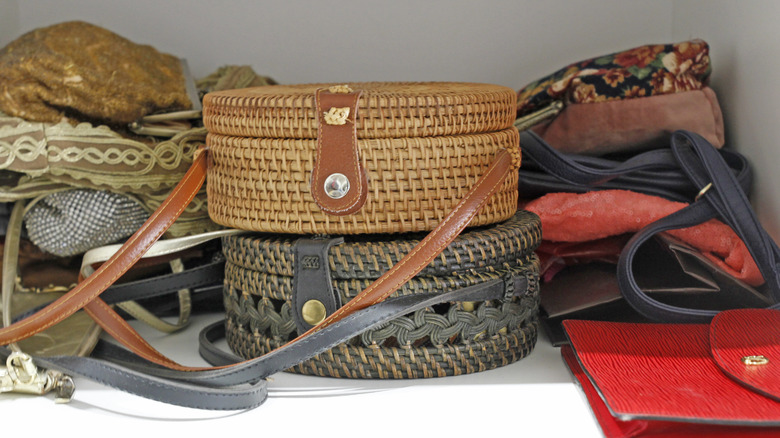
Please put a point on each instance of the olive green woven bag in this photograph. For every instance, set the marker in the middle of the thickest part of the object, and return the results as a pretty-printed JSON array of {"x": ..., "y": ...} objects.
[{"x": 449, "y": 339}]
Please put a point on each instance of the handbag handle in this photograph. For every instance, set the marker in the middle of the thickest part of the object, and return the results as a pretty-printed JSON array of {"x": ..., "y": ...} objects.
[
  {"x": 720, "y": 197},
  {"x": 655, "y": 172},
  {"x": 719, "y": 177},
  {"x": 164, "y": 380}
]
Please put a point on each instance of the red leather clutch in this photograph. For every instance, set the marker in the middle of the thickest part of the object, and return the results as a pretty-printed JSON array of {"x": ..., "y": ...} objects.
[{"x": 686, "y": 380}]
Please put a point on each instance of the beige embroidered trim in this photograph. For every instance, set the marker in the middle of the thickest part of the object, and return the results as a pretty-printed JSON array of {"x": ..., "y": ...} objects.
[{"x": 96, "y": 154}]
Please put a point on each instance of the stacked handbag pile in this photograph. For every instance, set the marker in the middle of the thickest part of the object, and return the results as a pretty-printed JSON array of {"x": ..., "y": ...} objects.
[
  {"x": 342, "y": 210},
  {"x": 83, "y": 170},
  {"x": 664, "y": 300},
  {"x": 389, "y": 170},
  {"x": 388, "y": 230}
]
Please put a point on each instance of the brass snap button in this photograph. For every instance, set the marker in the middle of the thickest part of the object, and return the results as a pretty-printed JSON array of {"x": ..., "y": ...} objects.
[{"x": 313, "y": 312}]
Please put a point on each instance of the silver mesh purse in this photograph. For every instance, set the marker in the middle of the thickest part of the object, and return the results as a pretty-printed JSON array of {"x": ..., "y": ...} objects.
[{"x": 75, "y": 221}]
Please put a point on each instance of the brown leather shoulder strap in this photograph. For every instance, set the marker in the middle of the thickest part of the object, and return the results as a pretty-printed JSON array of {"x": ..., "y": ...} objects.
[
  {"x": 409, "y": 266},
  {"x": 123, "y": 260},
  {"x": 87, "y": 292}
]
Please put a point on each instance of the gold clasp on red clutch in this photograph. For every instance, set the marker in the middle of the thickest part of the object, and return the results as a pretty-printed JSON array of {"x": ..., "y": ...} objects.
[{"x": 755, "y": 360}]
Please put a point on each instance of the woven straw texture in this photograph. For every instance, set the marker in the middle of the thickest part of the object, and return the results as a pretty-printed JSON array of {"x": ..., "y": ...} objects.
[
  {"x": 422, "y": 146},
  {"x": 448, "y": 339},
  {"x": 386, "y": 110}
]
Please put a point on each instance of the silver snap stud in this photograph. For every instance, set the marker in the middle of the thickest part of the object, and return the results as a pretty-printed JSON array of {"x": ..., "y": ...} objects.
[{"x": 336, "y": 186}]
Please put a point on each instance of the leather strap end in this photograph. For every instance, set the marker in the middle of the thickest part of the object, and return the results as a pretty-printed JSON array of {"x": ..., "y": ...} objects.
[{"x": 339, "y": 184}]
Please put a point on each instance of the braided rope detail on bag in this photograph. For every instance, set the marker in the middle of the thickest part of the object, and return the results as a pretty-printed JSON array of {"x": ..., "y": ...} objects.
[
  {"x": 274, "y": 318},
  {"x": 445, "y": 339},
  {"x": 449, "y": 339}
]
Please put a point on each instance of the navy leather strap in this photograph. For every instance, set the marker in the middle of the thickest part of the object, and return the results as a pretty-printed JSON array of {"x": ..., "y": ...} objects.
[
  {"x": 724, "y": 200},
  {"x": 243, "y": 385},
  {"x": 655, "y": 172},
  {"x": 681, "y": 173}
]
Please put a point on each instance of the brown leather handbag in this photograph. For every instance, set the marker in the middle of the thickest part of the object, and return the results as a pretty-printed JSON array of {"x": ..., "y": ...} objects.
[{"x": 314, "y": 159}]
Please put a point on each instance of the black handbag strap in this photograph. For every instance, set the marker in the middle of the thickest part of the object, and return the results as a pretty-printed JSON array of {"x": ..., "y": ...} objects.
[
  {"x": 717, "y": 180},
  {"x": 720, "y": 197},
  {"x": 205, "y": 282},
  {"x": 655, "y": 172}
]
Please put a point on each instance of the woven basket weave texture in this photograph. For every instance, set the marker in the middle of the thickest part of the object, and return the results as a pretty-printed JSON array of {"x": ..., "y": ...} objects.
[
  {"x": 422, "y": 146},
  {"x": 448, "y": 339},
  {"x": 386, "y": 110}
]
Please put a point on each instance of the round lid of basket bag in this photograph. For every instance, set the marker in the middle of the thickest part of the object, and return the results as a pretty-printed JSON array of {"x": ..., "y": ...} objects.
[{"x": 385, "y": 109}]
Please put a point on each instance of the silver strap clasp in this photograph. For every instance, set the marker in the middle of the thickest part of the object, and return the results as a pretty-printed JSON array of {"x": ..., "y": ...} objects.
[{"x": 22, "y": 376}]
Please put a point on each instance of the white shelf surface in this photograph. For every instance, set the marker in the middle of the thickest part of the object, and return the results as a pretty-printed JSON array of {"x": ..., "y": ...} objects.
[{"x": 532, "y": 397}]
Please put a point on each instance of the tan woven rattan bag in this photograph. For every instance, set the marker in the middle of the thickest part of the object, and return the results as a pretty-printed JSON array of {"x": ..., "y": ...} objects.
[{"x": 409, "y": 151}]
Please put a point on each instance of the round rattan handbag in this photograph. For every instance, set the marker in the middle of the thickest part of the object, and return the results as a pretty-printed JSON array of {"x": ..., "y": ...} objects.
[
  {"x": 262, "y": 294},
  {"x": 407, "y": 153}
]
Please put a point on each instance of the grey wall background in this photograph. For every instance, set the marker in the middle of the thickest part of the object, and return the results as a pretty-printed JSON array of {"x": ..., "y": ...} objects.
[
  {"x": 745, "y": 49},
  {"x": 508, "y": 42}
]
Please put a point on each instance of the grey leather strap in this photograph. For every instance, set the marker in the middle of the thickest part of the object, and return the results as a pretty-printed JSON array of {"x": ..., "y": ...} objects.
[
  {"x": 721, "y": 197},
  {"x": 242, "y": 386},
  {"x": 208, "y": 349},
  {"x": 204, "y": 280},
  {"x": 654, "y": 172},
  {"x": 490, "y": 290},
  {"x": 196, "y": 278}
]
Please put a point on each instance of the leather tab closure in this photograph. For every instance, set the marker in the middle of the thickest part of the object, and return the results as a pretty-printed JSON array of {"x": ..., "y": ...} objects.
[
  {"x": 745, "y": 345},
  {"x": 313, "y": 296},
  {"x": 338, "y": 182}
]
